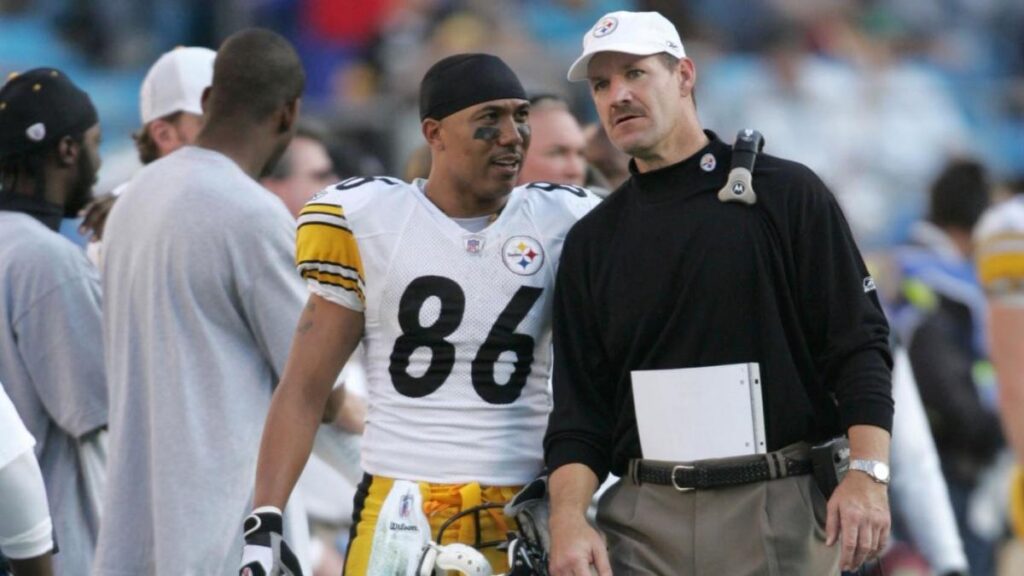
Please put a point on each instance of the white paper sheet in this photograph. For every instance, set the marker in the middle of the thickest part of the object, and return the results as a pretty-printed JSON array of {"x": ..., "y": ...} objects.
[{"x": 690, "y": 414}]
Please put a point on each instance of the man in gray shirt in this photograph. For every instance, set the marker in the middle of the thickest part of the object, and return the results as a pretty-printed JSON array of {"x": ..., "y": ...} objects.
[
  {"x": 201, "y": 304},
  {"x": 51, "y": 356}
]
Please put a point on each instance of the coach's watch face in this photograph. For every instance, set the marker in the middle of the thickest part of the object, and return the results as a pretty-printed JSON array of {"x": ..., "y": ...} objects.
[{"x": 879, "y": 471}]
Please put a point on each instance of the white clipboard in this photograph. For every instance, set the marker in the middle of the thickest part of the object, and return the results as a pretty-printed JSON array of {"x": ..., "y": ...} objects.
[{"x": 688, "y": 414}]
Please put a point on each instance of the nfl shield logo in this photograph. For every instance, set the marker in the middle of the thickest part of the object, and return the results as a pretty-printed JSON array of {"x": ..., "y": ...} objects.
[
  {"x": 405, "y": 505},
  {"x": 474, "y": 244}
]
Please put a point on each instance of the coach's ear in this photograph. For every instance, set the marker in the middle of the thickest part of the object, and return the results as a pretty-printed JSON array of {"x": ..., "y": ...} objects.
[
  {"x": 289, "y": 115},
  {"x": 204, "y": 101},
  {"x": 687, "y": 77}
]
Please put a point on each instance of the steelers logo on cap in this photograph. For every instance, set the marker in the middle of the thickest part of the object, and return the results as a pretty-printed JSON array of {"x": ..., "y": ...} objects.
[
  {"x": 522, "y": 255},
  {"x": 606, "y": 26}
]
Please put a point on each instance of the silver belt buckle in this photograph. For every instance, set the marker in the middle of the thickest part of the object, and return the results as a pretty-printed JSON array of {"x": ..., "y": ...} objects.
[{"x": 675, "y": 485}]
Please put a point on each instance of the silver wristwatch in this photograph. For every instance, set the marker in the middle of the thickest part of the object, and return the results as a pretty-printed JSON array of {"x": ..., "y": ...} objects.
[{"x": 878, "y": 471}]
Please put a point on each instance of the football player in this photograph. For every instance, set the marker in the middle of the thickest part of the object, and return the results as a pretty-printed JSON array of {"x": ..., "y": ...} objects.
[
  {"x": 1000, "y": 255},
  {"x": 447, "y": 281}
]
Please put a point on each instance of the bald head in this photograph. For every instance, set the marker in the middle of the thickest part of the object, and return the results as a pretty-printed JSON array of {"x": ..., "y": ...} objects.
[{"x": 256, "y": 72}]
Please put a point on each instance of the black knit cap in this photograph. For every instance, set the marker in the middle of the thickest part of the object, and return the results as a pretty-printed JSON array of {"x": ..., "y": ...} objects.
[
  {"x": 460, "y": 81},
  {"x": 40, "y": 106}
]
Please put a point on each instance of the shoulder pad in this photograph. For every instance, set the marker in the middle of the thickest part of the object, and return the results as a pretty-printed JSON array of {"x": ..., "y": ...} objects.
[
  {"x": 575, "y": 199},
  {"x": 354, "y": 193},
  {"x": 1004, "y": 218},
  {"x": 999, "y": 250}
]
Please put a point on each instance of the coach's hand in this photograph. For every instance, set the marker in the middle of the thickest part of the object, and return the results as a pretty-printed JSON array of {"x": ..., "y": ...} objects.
[
  {"x": 575, "y": 547},
  {"x": 858, "y": 517},
  {"x": 265, "y": 552}
]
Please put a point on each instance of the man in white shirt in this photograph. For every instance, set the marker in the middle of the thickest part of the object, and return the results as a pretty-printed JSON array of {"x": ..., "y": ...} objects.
[{"x": 201, "y": 300}]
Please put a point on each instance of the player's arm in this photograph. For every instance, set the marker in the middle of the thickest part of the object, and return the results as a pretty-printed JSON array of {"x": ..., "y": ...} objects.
[
  {"x": 1006, "y": 329},
  {"x": 325, "y": 338},
  {"x": 329, "y": 328},
  {"x": 1006, "y": 336},
  {"x": 999, "y": 253}
]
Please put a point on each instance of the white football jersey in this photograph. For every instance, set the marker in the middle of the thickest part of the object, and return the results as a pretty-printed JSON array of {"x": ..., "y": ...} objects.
[
  {"x": 458, "y": 324},
  {"x": 999, "y": 240}
]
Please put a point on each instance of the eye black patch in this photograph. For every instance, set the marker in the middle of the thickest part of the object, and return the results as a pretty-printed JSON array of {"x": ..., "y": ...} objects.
[{"x": 487, "y": 133}]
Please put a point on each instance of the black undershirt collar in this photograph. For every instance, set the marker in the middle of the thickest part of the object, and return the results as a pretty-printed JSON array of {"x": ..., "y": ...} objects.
[
  {"x": 685, "y": 178},
  {"x": 47, "y": 213}
]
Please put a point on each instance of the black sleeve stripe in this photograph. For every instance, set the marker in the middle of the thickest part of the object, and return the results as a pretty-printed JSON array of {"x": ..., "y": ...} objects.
[
  {"x": 312, "y": 275},
  {"x": 324, "y": 224},
  {"x": 328, "y": 262},
  {"x": 311, "y": 212},
  {"x": 338, "y": 277}
]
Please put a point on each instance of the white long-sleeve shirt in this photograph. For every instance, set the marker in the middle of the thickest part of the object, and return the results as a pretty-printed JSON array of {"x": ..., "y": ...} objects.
[{"x": 919, "y": 493}]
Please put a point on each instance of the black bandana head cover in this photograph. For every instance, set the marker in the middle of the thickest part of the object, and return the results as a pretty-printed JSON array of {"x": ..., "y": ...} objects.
[
  {"x": 463, "y": 80},
  {"x": 40, "y": 106}
]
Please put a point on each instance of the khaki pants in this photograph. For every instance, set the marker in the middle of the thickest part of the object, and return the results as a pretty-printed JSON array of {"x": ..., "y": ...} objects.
[{"x": 773, "y": 528}]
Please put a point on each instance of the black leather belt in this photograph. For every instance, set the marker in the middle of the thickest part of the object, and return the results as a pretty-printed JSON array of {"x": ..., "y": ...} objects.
[{"x": 708, "y": 474}]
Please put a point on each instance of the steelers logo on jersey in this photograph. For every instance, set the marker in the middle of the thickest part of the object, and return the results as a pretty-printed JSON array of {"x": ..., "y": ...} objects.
[{"x": 523, "y": 255}]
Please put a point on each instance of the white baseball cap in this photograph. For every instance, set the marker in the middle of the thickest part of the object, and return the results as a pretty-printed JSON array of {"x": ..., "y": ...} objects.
[
  {"x": 175, "y": 83},
  {"x": 639, "y": 33}
]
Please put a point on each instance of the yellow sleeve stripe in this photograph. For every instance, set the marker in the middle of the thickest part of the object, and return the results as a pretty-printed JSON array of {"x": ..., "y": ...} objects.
[
  {"x": 318, "y": 242},
  {"x": 321, "y": 208},
  {"x": 1001, "y": 266}
]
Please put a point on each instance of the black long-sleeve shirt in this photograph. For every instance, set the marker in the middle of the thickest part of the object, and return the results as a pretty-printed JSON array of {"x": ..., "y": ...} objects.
[{"x": 664, "y": 275}]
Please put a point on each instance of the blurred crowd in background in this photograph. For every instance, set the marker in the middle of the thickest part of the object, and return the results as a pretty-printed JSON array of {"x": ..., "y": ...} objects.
[
  {"x": 875, "y": 96},
  {"x": 911, "y": 111}
]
